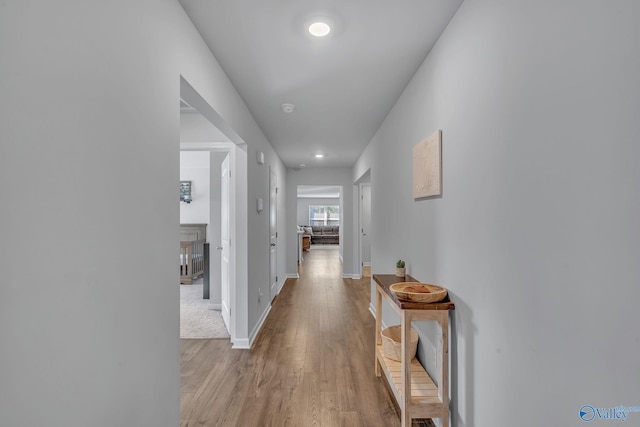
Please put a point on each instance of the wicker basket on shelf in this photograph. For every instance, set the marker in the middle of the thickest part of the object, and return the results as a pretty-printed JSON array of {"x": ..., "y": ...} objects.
[{"x": 392, "y": 343}]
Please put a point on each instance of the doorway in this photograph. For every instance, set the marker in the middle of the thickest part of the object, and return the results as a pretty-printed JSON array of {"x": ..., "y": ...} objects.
[
  {"x": 365, "y": 230},
  {"x": 319, "y": 218},
  {"x": 364, "y": 224},
  {"x": 224, "y": 140}
]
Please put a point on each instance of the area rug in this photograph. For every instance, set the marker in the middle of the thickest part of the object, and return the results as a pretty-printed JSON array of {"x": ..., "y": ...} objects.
[{"x": 196, "y": 320}]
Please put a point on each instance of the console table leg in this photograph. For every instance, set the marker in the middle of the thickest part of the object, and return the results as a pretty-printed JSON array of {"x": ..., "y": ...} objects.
[
  {"x": 378, "y": 327},
  {"x": 406, "y": 369},
  {"x": 443, "y": 387}
]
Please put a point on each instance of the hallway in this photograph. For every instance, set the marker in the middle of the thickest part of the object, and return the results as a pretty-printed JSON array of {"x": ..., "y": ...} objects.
[{"x": 312, "y": 363}]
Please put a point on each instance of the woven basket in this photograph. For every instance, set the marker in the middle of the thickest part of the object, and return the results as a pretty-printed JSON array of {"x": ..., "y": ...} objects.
[
  {"x": 418, "y": 292},
  {"x": 392, "y": 343}
]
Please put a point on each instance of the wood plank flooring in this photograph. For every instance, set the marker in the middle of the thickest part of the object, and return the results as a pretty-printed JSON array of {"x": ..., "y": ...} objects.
[
  {"x": 366, "y": 271},
  {"x": 311, "y": 365}
]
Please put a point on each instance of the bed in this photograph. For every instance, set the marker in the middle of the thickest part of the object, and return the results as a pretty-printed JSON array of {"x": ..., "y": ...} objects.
[{"x": 192, "y": 239}]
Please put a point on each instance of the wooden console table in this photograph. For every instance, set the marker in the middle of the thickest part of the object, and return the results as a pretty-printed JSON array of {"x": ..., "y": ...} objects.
[{"x": 413, "y": 388}]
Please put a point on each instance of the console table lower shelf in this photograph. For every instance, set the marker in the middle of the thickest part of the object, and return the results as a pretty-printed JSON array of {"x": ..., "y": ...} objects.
[{"x": 425, "y": 402}]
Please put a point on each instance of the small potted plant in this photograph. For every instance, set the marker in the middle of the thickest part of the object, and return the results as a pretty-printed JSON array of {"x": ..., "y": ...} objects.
[{"x": 400, "y": 270}]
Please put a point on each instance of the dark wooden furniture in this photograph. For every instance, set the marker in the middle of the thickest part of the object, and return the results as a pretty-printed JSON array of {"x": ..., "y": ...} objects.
[
  {"x": 325, "y": 234},
  {"x": 206, "y": 275},
  {"x": 414, "y": 390},
  {"x": 192, "y": 239}
]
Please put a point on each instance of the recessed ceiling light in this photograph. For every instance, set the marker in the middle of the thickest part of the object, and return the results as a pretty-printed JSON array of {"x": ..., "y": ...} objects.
[
  {"x": 319, "y": 29},
  {"x": 288, "y": 108},
  {"x": 319, "y": 156}
]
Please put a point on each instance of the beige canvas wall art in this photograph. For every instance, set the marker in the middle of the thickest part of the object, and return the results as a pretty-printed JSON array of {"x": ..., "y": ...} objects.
[{"x": 427, "y": 167}]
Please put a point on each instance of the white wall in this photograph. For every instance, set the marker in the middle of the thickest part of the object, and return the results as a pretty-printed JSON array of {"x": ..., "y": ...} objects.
[
  {"x": 194, "y": 127},
  {"x": 536, "y": 233},
  {"x": 322, "y": 176},
  {"x": 259, "y": 239},
  {"x": 195, "y": 167},
  {"x": 305, "y": 202},
  {"x": 89, "y": 106}
]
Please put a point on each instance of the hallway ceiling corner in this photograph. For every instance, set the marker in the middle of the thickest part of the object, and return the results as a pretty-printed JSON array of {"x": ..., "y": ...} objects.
[{"x": 342, "y": 85}]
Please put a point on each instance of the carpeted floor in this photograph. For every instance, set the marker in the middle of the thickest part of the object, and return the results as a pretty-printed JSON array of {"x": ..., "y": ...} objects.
[{"x": 196, "y": 320}]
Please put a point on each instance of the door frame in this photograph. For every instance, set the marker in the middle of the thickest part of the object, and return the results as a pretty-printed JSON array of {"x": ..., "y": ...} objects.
[
  {"x": 239, "y": 210},
  {"x": 362, "y": 263},
  {"x": 225, "y": 245}
]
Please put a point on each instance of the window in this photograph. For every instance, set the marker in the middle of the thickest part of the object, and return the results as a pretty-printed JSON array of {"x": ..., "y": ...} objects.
[{"x": 324, "y": 215}]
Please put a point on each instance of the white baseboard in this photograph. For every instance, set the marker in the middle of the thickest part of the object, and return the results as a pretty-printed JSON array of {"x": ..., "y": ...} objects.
[
  {"x": 241, "y": 344},
  {"x": 246, "y": 343},
  {"x": 350, "y": 276},
  {"x": 214, "y": 307},
  {"x": 366, "y": 264},
  {"x": 256, "y": 330},
  {"x": 281, "y": 284}
]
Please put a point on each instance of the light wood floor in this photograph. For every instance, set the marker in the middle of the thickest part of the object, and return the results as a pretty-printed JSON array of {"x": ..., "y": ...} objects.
[
  {"x": 311, "y": 365},
  {"x": 366, "y": 271}
]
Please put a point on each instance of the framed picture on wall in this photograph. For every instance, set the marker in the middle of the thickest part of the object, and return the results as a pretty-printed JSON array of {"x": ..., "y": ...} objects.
[
  {"x": 185, "y": 191},
  {"x": 427, "y": 167}
]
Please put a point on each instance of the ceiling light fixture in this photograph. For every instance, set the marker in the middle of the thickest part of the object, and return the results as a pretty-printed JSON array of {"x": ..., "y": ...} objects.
[
  {"x": 319, "y": 156},
  {"x": 288, "y": 108},
  {"x": 319, "y": 29}
]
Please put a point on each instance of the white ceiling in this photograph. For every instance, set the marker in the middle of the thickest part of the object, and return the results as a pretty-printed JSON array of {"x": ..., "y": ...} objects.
[{"x": 343, "y": 85}]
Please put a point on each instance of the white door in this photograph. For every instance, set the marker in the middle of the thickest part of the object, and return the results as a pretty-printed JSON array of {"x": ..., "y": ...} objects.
[
  {"x": 365, "y": 237},
  {"x": 225, "y": 244},
  {"x": 273, "y": 233}
]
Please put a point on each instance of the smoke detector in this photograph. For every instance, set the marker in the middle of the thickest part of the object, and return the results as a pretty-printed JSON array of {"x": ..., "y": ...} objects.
[{"x": 288, "y": 108}]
